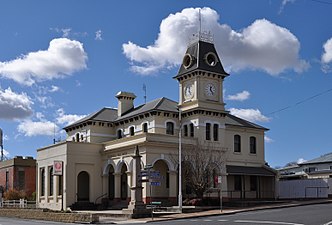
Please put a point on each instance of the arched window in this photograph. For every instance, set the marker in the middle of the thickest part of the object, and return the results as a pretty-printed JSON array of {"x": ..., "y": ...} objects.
[
  {"x": 253, "y": 145},
  {"x": 191, "y": 129},
  {"x": 77, "y": 137},
  {"x": 170, "y": 128},
  {"x": 42, "y": 182},
  {"x": 215, "y": 132},
  {"x": 237, "y": 143},
  {"x": 185, "y": 130},
  {"x": 51, "y": 178},
  {"x": 119, "y": 134},
  {"x": 132, "y": 131},
  {"x": 208, "y": 131},
  {"x": 145, "y": 127}
]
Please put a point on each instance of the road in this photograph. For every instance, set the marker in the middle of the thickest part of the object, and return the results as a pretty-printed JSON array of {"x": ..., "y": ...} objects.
[{"x": 320, "y": 214}]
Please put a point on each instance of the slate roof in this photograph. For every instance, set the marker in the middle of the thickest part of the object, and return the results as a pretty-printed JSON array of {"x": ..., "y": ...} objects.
[
  {"x": 198, "y": 51},
  {"x": 160, "y": 104},
  {"x": 322, "y": 159}
]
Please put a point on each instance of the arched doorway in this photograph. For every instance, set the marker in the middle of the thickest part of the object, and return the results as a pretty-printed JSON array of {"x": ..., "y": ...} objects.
[
  {"x": 161, "y": 187},
  {"x": 83, "y": 186},
  {"x": 124, "y": 182},
  {"x": 111, "y": 189}
]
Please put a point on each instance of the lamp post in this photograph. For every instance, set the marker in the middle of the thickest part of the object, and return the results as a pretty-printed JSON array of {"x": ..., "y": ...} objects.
[{"x": 180, "y": 166}]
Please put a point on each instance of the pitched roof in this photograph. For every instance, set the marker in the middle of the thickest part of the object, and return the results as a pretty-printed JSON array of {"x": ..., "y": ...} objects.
[
  {"x": 237, "y": 121},
  {"x": 162, "y": 104},
  {"x": 104, "y": 114},
  {"x": 322, "y": 159}
]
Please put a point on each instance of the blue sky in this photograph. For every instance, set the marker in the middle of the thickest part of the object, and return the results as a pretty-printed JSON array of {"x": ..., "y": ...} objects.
[{"x": 61, "y": 60}]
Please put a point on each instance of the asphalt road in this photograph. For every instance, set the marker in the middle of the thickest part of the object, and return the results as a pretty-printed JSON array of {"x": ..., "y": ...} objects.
[{"x": 320, "y": 214}]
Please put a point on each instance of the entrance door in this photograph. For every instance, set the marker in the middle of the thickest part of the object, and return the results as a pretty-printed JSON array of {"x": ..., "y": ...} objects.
[{"x": 83, "y": 186}]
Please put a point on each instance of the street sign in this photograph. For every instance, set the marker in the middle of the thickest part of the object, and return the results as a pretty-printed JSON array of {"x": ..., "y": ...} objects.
[
  {"x": 155, "y": 183},
  {"x": 219, "y": 180}
]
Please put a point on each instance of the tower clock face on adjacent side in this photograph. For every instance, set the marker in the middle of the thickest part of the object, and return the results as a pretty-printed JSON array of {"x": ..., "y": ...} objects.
[
  {"x": 210, "y": 89},
  {"x": 188, "y": 91}
]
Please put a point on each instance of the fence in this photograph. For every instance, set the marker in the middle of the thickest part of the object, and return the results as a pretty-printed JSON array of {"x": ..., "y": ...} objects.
[{"x": 21, "y": 203}]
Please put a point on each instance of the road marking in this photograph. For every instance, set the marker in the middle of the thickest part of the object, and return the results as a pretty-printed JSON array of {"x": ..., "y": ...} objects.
[
  {"x": 329, "y": 223},
  {"x": 207, "y": 220},
  {"x": 193, "y": 220},
  {"x": 222, "y": 220},
  {"x": 266, "y": 222}
]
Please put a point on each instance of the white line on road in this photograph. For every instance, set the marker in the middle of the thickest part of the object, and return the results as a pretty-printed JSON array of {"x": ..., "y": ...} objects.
[
  {"x": 222, "y": 220},
  {"x": 328, "y": 223},
  {"x": 266, "y": 222}
]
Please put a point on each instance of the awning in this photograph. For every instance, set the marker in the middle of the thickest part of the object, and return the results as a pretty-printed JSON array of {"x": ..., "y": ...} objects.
[{"x": 250, "y": 171}]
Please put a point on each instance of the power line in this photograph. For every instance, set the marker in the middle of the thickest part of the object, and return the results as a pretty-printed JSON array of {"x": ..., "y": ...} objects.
[
  {"x": 301, "y": 102},
  {"x": 322, "y": 2}
]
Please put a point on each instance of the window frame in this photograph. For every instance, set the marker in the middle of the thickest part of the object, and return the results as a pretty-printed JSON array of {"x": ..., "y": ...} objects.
[
  {"x": 215, "y": 132},
  {"x": 253, "y": 145},
  {"x": 237, "y": 143},
  {"x": 208, "y": 131},
  {"x": 170, "y": 128}
]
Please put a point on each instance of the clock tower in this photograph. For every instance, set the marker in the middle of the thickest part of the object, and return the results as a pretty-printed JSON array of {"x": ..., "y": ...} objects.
[{"x": 201, "y": 76}]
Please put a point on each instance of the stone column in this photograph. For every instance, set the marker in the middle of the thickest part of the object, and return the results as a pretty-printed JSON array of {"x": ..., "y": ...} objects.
[
  {"x": 129, "y": 178},
  {"x": 136, "y": 207}
]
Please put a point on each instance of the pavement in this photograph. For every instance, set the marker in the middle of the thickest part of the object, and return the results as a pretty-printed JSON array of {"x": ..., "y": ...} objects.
[{"x": 112, "y": 216}]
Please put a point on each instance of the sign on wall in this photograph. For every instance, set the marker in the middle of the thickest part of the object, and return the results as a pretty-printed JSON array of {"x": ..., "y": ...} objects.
[{"x": 57, "y": 168}]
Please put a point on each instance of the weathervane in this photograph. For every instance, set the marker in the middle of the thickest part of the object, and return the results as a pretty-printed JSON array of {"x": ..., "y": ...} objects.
[{"x": 205, "y": 36}]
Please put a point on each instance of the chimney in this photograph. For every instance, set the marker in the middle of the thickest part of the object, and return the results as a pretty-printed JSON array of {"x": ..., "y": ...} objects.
[{"x": 125, "y": 102}]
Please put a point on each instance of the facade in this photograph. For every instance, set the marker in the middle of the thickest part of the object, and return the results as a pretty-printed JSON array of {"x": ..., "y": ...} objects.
[
  {"x": 18, "y": 173},
  {"x": 97, "y": 154}
]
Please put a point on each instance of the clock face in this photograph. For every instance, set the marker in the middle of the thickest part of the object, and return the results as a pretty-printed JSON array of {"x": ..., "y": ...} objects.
[
  {"x": 188, "y": 91},
  {"x": 210, "y": 89}
]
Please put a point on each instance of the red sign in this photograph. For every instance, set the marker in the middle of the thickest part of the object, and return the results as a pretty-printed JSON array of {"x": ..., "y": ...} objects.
[{"x": 57, "y": 168}]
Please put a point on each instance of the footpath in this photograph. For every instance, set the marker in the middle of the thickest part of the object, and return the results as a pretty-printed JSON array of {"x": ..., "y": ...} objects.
[{"x": 105, "y": 217}]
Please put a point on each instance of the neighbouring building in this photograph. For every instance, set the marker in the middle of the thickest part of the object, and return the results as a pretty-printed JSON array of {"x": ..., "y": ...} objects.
[
  {"x": 18, "y": 173},
  {"x": 97, "y": 153},
  {"x": 320, "y": 167}
]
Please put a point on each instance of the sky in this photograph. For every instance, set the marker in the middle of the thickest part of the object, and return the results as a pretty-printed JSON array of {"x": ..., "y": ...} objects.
[{"x": 62, "y": 60}]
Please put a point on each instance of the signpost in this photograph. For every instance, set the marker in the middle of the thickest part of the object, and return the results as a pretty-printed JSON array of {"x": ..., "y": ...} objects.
[{"x": 58, "y": 171}]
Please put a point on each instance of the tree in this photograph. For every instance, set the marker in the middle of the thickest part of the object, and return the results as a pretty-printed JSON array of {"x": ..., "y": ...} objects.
[{"x": 200, "y": 167}]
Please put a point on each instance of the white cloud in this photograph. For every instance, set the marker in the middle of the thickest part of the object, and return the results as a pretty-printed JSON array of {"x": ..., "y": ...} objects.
[
  {"x": 244, "y": 95},
  {"x": 61, "y": 59},
  {"x": 14, "y": 105},
  {"x": 301, "y": 160},
  {"x": 54, "y": 89},
  {"x": 284, "y": 3},
  {"x": 252, "y": 115},
  {"x": 98, "y": 36},
  {"x": 35, "y": 128},
  {"x": 261, "y": 46},
  {"x": 5, "y": 153},
  {"x": 327, "y": 55},
  {"x": 268, "y": 139},
  {"x": 67, "y": 119}
]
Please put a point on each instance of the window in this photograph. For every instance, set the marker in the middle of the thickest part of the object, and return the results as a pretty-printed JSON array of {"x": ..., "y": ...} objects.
[
  {"x": 252, "y": 145},
  {"x": 78, "y": 137},
  {"x": 237, "y": 183},
  {"x": 185, "y": 130},
  {"x": 215, "y": 132},
  {"x": 145, "y": 127},
  {"x": 237, "y": 143},
  {"x": 170, "y": 128},
  {"x": 253, "y": 183},
  {"x": 167, "y": 180},
  {"x": 50, "y": 190},
  {"x": 42, "y": 182},
  {"x": 132, "y": 131},
  {"x": 191, "y": 128},
  {"x": 208, "y": 131},
  {"x": 119, "y": 134},
  {"x": 7, "y": 180},
  {"x": 21, "y": 180}
]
